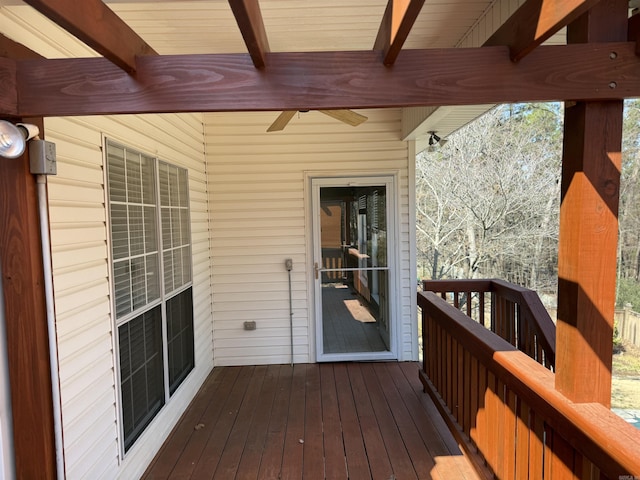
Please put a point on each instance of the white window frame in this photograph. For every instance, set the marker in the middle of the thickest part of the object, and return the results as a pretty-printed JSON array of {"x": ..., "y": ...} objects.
[{"x": 164, "y": 295}]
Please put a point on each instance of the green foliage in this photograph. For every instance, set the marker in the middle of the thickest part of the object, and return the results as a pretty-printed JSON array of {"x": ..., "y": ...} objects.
[
  {"x": 617, "y": 339},
  {"x": 628, "y": 292}
]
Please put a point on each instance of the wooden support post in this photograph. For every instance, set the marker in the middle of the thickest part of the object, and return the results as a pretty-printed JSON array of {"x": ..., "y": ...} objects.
[
  {"x": 28, "y": 351},
  {"x": 589, "y": 226}
]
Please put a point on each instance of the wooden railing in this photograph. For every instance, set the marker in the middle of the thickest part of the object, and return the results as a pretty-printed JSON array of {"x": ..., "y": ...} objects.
[
  {"x": 503, "y": 407},
  {"x": 515, "y": 313}
]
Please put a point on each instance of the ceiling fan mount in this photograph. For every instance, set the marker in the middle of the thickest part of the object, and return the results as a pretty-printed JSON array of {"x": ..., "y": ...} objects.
[{"x": 347, "y": 116}]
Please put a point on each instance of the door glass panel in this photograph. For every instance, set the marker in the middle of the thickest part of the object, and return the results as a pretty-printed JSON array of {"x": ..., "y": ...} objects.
[{"x": 354, "y": 270}]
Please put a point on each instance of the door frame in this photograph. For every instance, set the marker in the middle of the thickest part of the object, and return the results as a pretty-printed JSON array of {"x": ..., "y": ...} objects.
[{"x": 390, "y": 181}]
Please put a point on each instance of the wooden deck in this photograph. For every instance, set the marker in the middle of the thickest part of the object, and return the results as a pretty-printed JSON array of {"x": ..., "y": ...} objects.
[{"x": 312, "y": 421}]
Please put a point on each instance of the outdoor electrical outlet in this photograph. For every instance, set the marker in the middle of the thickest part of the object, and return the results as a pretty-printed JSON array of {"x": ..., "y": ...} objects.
[
  {"x": 249, "y": 325},
  {"x": 288, "y": 264},
  {"x": 42, "y": 157}
]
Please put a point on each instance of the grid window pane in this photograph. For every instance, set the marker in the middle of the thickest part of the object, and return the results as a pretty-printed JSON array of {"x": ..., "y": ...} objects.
[
  {"x": 184, "y": 225},
  {"x": 133, "y": 227},
  {"x": 134, "y": 177},
  {"x": 175, "y": 226},
  {"x": 184, "y": 193},
  {"x": 141, "y": 372},
  {"x": 166, "y": 228},
  {"x": 180, "y": 337},
  {"x": 153, "y": 277},
  {"x": 163, "y": 174},
  {"x": 148, "y": 180},
  {"x": 177, "y": 267},
  {"x": 176, "y": 234},
  {"x": 138, "y": 283},
  {"x": 119, "y": 231},
  {"x": 117, "y": 175},
  {"x": 150, "y": 222},
  {"x": 168, "y": 270},
  {"x": 136, "y": 230},
  {"x": 122, "y": 287}
]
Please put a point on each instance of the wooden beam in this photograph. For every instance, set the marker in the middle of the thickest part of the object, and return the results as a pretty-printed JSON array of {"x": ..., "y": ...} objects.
[
  {"x": 398, "y": 19},
  {"x": 12, "y": 49},
  {"x": 99, "y": 27},
  {"x": 587, "y": 250},
  {"x": 633, "y": 31},
  {"x": 534, "y": 22},
  {"x": 249, "y": 19},
  {"x": 326, "y": 80},
  {"x": 26, "y": 324},
  {"x": 9, "y": 90}
]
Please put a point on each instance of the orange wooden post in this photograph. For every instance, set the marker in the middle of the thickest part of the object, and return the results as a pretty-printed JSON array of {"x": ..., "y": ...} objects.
[{"x": 589, "y": 225}]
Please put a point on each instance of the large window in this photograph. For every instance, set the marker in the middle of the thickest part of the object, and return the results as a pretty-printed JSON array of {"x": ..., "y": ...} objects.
[{"x": 152, "y": 288}]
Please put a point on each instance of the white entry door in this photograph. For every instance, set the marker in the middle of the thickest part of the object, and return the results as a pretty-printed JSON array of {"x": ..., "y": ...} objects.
[{"x": 354, "y": 277}]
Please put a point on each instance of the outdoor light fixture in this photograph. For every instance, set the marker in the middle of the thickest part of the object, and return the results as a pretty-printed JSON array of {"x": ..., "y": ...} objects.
[
  {"x": 434, "y": 141},
  {"x": 14, "y": 138}
]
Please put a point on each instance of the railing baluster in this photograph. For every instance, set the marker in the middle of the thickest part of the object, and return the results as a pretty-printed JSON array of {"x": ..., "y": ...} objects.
[
  {"x": 482, "y": 425},
  {"x": 536, "y": 446},
  {"x": 459, "y": 396},
  {"x": 448, "y": 373},
  {"x": 467, "y": 388},
  {"x": 509, "y": 446},
  {"x": 494, "y": 308},
  {"x": 522, "y": 440},
  {"x": 492, "y": 418}
]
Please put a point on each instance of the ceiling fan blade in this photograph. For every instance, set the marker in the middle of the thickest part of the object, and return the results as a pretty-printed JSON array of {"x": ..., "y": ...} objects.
[
  {"x": 282, "y": 120},
  {"x": 347, "y": 116}
]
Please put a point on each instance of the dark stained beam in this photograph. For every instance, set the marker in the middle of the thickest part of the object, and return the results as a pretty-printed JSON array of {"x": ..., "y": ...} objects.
[
  {"x": 633, "y": 31},
  {"x": 99, "y": 27},
  {"x": 9, "y": 90},
  {"x": 398, "y": 19},
  {"x": 536, "y": 21},
  {"x": 11, "y": 50},
  {"x": 327, "y": 80},
  {"x": 249, "y": 20}
]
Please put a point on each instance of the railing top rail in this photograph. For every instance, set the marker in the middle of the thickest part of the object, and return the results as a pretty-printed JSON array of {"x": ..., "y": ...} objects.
[
  {"x": 459, "y": 285},
  {"x": 531, "y": 305},
  {"x": 528, "y": 300},
  {"x": 592, "y": 429}
]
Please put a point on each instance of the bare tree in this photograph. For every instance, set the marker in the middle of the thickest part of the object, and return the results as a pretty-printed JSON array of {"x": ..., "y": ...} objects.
[{"x": 488, "y": 200}]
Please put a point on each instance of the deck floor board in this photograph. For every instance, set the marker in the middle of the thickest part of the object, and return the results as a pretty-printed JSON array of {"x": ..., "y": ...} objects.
[{"x": 312, "y": 421}]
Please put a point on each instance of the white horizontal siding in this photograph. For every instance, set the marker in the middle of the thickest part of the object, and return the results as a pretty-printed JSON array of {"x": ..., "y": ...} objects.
[
  {"x": 258, "y": 209},
  {"x": 82, "y": 289}
]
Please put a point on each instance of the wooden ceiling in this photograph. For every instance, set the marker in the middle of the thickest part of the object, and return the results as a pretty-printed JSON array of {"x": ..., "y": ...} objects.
[{"x": 283, "y": 54}]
